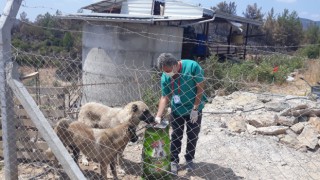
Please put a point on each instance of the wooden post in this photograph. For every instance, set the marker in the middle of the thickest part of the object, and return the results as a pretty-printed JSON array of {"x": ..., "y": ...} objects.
[
  {"x": 8, "y": 126},
  {"x": 246, "y": 43},
  {"x": 229, "y": 40}
]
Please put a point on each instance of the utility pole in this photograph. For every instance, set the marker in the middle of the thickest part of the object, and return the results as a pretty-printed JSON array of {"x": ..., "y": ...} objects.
[{"x": 6, "y": 96}]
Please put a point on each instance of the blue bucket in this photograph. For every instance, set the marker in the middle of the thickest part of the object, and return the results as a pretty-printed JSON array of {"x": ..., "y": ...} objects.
[{"x": 316, "y": 90}]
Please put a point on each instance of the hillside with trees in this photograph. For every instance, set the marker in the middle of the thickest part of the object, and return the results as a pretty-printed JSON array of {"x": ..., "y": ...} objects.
[
  {"x": 52, "y": 36},
  {"x": 48, "y": 35},
  {"x": 284, "y": 32}
]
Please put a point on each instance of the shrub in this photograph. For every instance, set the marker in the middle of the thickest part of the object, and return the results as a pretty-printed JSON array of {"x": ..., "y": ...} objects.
[
  {"x": 234, "y": 76},
  {"x": 152, "y": 94},
  {"x": 312, "y": 51}
]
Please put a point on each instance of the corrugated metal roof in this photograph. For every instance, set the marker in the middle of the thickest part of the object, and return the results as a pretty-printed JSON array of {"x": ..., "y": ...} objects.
[
  {"x": 140, "y": 10},
  {"x": 104, "y": 6},
  {"x": 124, "y": 17},
  {"x": 109, "y": 19},
  {"x": 137, "y": 7},
  {"x": 145, "y": 7},
  {"x": 225, "y": 16},
  {"x": 180, "y": 8}
]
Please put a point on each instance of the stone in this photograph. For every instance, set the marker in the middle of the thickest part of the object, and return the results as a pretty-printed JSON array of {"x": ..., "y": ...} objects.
[
  {"x": 264, "y": 99},
  {"x": 297, "y": 128},
  {"x": 261, "y": 120},
  {"x": 237, "y": 124},
  {"x": 289, "y": 140},
  {"x": 308, "y": 137},
  {"x": 285, "y": 121},
  {"x": 272, "y": 130},
  {"x": 251, "y": 129},
  {"x": 276, "y": 106},
  {"x": 315, "y": 121}
]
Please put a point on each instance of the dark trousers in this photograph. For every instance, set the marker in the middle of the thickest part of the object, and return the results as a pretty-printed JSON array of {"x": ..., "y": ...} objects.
[{"x": 193, "y": 129}]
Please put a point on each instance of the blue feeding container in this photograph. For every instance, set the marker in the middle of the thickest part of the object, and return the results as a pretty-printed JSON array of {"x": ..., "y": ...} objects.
[
  {"x": 316, "y": 90},
  {"x": 201, "y": 48}
]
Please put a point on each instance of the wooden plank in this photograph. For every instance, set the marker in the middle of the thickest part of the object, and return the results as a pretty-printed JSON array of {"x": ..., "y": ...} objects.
[
  {"x": 33, "y": 156},
  {"x": 39, "y": 145},
  {"x": 42, "y": 145},
  {"x": 27, "y": 122},
  {"x": 27, "y": 134},
  {"x": 48, "y": 91},
  {"x": 54, "y": 113},
  {"x": 46, "y": 101},
  {"x": 52, "y": 102},
  {"x": 61, "y": 153},
  {"x": 222, "y": 49},
  {"x": 46, "y": 113}
]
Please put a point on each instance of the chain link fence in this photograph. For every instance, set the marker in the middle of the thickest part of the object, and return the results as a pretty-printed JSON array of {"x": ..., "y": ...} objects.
[{"x": 247, "y": 130}]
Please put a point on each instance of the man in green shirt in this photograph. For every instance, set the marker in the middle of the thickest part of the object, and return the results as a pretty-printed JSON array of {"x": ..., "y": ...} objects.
[{"x": 182, "y": 84}]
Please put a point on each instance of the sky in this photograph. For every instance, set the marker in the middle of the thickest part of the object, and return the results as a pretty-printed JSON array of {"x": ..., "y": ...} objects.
[{"x": 305, "y": 8}]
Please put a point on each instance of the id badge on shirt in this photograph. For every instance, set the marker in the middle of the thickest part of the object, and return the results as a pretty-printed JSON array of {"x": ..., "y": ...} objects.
[{"x": 176, "y": 99}]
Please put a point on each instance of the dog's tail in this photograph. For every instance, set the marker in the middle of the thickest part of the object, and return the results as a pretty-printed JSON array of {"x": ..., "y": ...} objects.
[{"x": 62, "y": 125}]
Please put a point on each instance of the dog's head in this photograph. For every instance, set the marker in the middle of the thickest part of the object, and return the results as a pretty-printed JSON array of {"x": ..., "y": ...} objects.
[
  {"x": 133, "y": 134},
  {"x": 140, "y": 112}
]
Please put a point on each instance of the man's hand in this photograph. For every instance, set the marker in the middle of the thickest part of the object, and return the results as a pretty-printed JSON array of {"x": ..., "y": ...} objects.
[
  {"x": 194, "y": 116},
  {"x": 158, "y": 120}
]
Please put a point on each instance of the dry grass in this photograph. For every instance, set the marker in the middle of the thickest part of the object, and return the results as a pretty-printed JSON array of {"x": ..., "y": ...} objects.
[
  {"x": 299, "y": 87},
  {"x": 47, "y": 77},
  {"x": 312, "y": 74}
]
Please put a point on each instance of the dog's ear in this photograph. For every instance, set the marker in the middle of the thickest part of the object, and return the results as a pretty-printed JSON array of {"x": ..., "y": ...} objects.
[{"x": 134, "y": 108}]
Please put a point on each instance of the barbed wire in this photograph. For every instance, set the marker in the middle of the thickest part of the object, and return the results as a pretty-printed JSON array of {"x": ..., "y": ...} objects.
[{"x": 168, "y": 36}]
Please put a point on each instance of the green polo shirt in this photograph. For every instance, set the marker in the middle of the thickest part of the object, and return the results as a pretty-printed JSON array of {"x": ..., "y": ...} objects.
[{"x": 190, "y": 74}]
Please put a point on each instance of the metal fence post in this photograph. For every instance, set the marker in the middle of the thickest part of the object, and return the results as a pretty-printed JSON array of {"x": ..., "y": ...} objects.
[{"x": 8, "y": 126}]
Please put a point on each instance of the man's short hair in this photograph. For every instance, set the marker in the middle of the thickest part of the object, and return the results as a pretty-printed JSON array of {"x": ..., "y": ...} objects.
[{"x": 166, "y": 59}]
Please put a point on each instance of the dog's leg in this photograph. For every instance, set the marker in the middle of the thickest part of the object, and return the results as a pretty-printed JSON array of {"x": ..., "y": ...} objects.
[
  {"x": 114, "y": 169},
  {"x": 104, "y": 170},
  {"x": 120, "y": 161},
  {"x": 75, "y": 152}
]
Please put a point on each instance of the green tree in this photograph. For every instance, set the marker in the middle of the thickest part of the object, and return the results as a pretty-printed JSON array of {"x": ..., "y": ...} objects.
[
  {"x": 67, "y": 41},
  {"x": 288, "y": 30},
  {"x": 45, "y": 20},
  {"x": 312, "y": 34},
  {"x": 229, "y": 8},
  {"x": 23, "y": 17},
  {"x": 268, "y": 27},
  {"x": 253, "y": 12}
]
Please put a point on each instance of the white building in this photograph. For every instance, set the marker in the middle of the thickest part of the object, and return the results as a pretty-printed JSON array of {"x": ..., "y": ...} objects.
[{"x": 121, "y": 35}]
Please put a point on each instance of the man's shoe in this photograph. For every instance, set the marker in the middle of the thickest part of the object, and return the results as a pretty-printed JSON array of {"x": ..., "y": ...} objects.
[
  {"x": 190, "y": 166},
  {"x": 174, "y": 168}
]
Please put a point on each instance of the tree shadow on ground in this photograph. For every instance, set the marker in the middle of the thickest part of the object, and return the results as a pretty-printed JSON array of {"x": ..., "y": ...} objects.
[
  {"x": 210, "y": 171},
  {"x": 203, "y": 170},
  {"x": 92, "y": 175},
  {"x": 131, "y": 168}
]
